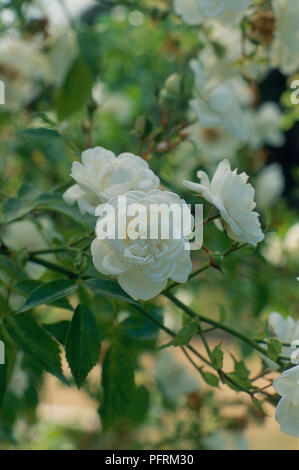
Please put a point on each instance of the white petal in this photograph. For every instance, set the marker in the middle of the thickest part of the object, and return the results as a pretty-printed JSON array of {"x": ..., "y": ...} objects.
[
  {"x": 72, "y": 194},
  {"x": 138, "y": 286}
]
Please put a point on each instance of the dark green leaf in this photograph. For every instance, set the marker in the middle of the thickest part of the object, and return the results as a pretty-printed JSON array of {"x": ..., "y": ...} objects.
[
  {"x": 48, "y": 293},
  {"x": 75, "y": 91},
  {"x": 7, "y": 360},
  {"x": 14, "y": 208},
  {"x": 58, "y": 330},
  {"x": 35, "y": 342},
  {"x": 185, "y": 335},
  {"x": 83, "y": 344},
  {"x": 139, "y": 405},
  {"x": 28, "y": 285},
  {"x": 118, "y": 384},
  {"x": 108, "y": 289}
]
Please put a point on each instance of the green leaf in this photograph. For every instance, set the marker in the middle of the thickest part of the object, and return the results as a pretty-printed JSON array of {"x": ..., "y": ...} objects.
[
  {"x": 118, "y": 384},
  {"x": 35, "y": 342},
  {"x": 273, "y": 348},
  {"x": 240, "y": 382},
  {"x": 7, "y": 353},
  {"x": 48, "y": 293},
  {"x": 56, "y": 204},
  {"x": 139, "y": 405},
  {"x": 210, "y": 379},
  {"x": 108, "y": 289},
  {"x": 28, "y": 285},
  {"x": 14, "y": 208},
  {"x": 40, "y": 133},
  {"x": 83, "y": 344},
  {"x": 185, "y": 335},
  {"x": 222, "y": 313},
  {"x": 58, "y": 330},
  {"x": 142, "y": 329},
  {"x": 75, "y": 91},
  {"x": 259, "y": 406},
  {"x": 217, "y": 357}
]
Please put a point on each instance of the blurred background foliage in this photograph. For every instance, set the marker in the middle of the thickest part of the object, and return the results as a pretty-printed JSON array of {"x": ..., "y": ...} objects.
[{"x": 92, "y": 73}]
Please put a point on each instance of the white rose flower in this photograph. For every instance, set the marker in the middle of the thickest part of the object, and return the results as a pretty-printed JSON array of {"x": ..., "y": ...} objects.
[
  {"x": 291, "y": 242},
  {"x": 197, "y": 11},
  {"x": 101, "y": 176},
  {"x": 286, "y": 330},
  {"x": 285, "y": 52},
  {"x": 22, "y": 64},
  {"x": 287, "y": 412},
  {"x": 269, "y": 185},
  {"x": 143, "y": 266},
  {"x": 217, "y": 104},
  {"x": 234, "y": 198}
]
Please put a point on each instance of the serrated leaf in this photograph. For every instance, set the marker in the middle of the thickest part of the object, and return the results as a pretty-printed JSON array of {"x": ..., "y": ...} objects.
[
  {"x": 51, "y": 202},
  {"x": 118, "y": 384},
  {"x": 108, "y": 289},
  {"x": 35, "y": 342},
  {"x": 83, "y": 344},
  {"x": 217, "y": 357},
  {"x": 49, "y": 292}
]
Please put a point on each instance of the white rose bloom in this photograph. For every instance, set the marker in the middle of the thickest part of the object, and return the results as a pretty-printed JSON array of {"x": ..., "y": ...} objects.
[
  {"x": 234, "y": 198},
  {"x": 22, "y": 64},
  {"x": 269, "y": 185},
  {"x": 217, "y": 104},
  {"x": 287, "y": 412},
  {"x": 197, "y": 11},
  {"x": 265, "y": 126},
  {"x": 143, "y": 266},
  {"x": 285, "y": 52},
  {"x": 286, "y": 331},
  {"x": 272, "y": 249},
  {"x": 212, "y": 143},
  {"x": 101, "y": 176}
]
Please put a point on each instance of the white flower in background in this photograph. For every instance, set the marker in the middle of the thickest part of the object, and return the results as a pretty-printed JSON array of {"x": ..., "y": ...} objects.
[
  {"x": 22, "y": 64},
  {"x": 197, "y": 11},
  {"x": 285, "y": 51},
  {"x": 117, "y": 104},
  {"x": 213, "y": 143},
  {"x": 234, "y": 198},
  {"x": 217, "y": 105},
  {"x": 291, "y": 242},
  {"x": 102, "y": 176},
  {"x": 143, "y": 266},
  {"x": 272, "y": 249},
  {"x": 63, "y": 49},
  {"x": 295, "y": 351},
  {"x": 223, "y": 55},
  {"x": 173, "y": 380},
  {"x": 265, "y": 126},
  {"x": 269, "y": 185},
  {"x": 55, "y": 12},
  {"x": 287, "y": 412},
  {"x": 286, "y": 330}
]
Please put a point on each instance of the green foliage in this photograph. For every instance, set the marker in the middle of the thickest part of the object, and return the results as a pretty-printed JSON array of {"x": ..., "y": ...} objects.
[
  {"x": 83, "y": 344},
  {"x": 109, "y": 289},
  {"x": 35, "y": 342},
  {"x": 118, "y": 384},
  {"x": 48, "y": 293}
]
